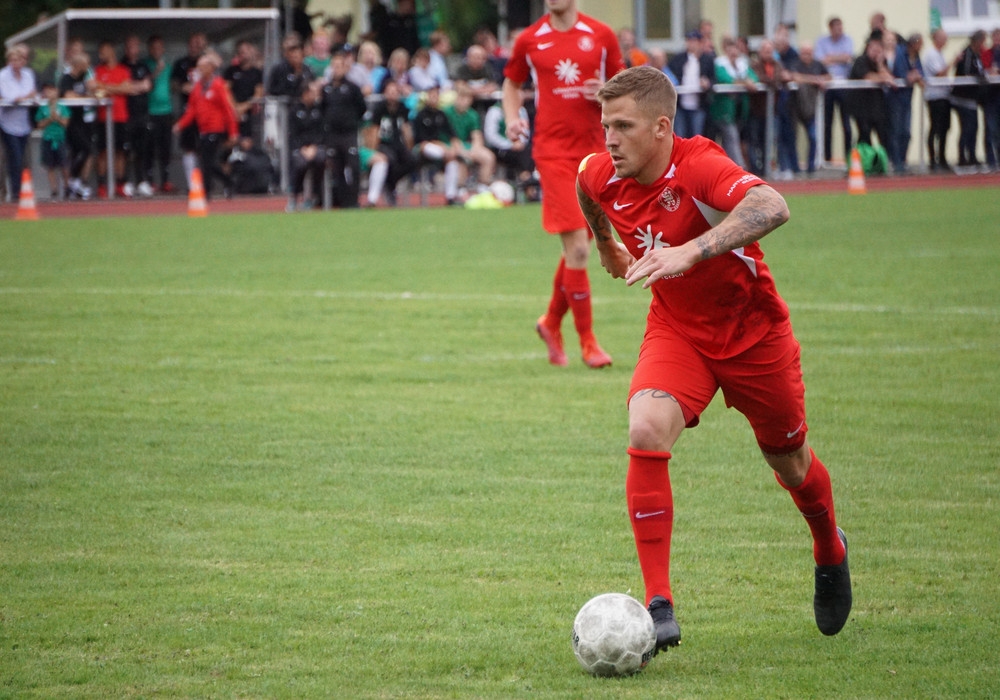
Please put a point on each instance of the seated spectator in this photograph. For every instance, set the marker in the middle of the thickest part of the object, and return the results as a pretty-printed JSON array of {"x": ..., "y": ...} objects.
[
  {"x": 398, "y": 72},
  {"x": 318, "y": 56},
  {"x": 514, "y": 155},
  {"x": 440, "y": 54},
  {"x": 436, "y": 142},
  {"x": 418, "y": 75},
  {"x": 250, "y": 168},
  {"x": 343, "y": 109},
  {"x": 368, "y": 72},
  {"x": 472, "y": 149},
  {"x": 388, "y": 130},
  {"x": 496, "y": 56},
  {"x": 477, "y": 73},
  {"x": 307, "y": 143}
]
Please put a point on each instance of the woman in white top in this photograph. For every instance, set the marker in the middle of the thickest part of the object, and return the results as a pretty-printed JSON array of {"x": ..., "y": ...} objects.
[{"x": 17, "y": 84}]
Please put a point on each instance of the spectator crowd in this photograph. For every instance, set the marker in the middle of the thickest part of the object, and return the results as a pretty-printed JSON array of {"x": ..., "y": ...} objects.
[{"x": 389, "y": 108}]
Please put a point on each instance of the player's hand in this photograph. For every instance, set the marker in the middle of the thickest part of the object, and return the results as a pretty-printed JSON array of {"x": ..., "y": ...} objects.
[
  {"x": 590, "y": 88},
  {"x": 517, "y": 129},
  {"x": 661, "y": 263},
  {"x": 615, "y": 258}
]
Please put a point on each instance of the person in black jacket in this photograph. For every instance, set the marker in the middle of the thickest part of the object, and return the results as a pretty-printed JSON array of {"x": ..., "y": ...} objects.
[
  {"x": 288, "y": 77},
  {"x": 695, "y": 70},
  {"x": 344, "y": 109},
  {"x": 307, "y": 142},
  {"x": 965, "y": 98}
]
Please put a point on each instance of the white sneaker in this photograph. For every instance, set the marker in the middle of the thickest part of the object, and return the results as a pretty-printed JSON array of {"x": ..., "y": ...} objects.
[
  {"x": 85, "y": 192},
  {"x": 128, "y": 189},
  {"x": 145, "y": 189}
]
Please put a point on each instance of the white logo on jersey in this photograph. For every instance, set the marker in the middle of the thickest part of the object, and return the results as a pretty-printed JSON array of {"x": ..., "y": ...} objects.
[
  {"x": 585, "y": 44},
  {"x": 619, "y": 207},
  {"x": 548, "y": 44},
  {"x": 649, "y": 241},
  {"x": 567, "y": 71}
]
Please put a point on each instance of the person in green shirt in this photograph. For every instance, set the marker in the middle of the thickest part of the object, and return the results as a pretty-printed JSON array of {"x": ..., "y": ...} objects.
[
  {"x": 52, "y": 118},
  {"x": 728, "y": 110},
  {"x": 465, "y": 122}
]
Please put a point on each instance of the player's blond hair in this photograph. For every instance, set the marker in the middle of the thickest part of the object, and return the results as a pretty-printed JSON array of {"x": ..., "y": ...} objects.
[{"x": 651, "y": 89}]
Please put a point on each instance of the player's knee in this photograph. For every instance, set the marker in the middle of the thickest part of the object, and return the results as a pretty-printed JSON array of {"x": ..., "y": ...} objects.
[{"x": 648, "y": 435}]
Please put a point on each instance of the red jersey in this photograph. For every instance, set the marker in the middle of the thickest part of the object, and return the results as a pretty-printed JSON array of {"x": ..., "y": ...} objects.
[
  {"x": 210, "y": 108},
  {"x": 722, "y": 305},
  {"x": 567, "y": 125},
  {"x": 119, "y": 103}
]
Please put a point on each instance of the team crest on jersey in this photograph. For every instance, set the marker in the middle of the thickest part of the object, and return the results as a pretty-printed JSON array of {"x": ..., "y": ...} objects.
[
  {"x": 669, "y": 199},
  {"x": 585, "y": 43}
]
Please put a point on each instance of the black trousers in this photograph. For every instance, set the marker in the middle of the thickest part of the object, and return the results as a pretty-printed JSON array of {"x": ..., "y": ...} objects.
[
  {"x": 159, "y": 142},
  {"x": 208, "y": 154},
  {"x": 940, "y": 113},
  {"x": 346, "y": 167}
]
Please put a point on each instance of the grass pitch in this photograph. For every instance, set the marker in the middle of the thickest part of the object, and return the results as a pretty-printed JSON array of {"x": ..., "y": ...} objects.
[{"x": 325, "y": 456}]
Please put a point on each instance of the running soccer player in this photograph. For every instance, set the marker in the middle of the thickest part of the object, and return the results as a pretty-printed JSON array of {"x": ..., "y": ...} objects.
[
  {"x": 568, "y": 56},
  {"x": 689, "y": 219}
]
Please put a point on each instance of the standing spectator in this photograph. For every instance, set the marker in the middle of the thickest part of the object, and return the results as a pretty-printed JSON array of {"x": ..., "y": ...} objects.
[
  {"x": 477, "y": 73},
  {"x": 246, "y": 84},
  {"x": 631, "y": 53},
  {"x": 728, "y": 108},
  {"x": 811, "y": 77},
  {"x": 112, "y": 79},
  {"x": 964, "y": 98},
  {"x": 343, "y": 110},
  {"x": 138, "y": 119},
  {"x": 78, "y": 82},
  {"x": 439, "y": 54},
  {"x": 183, "y": 77},
  {"x": 397, "y": 29},
  {"x": 770, "y": 73},
  {"x": 307, "y": 144},
  {"x": 289, "y": 76},
  {"x": 389, "y": 131},
  {"x": 908, "y": 68},
  {"x": 569, "y": 55},
  {"x": 938, "y": 100},
  {"x": 17, "y": 84},
  {"x": 836, "y": 52},
  {"x": 435, "y": 142},
  {"x": 991, "y": 104},
  {"x": 472, "y": 148},
  {"x": 696, "y": 72},
  {"x": 868, "y": 105},
  {"x": 210, "y": 108},
  {"x": 53, "y": 118},
  {"x": 788, "y": 159},
  {"x": 707, "y": 30},
  {"x": 658, "y": 59},
  {"x": 159, "y": 139},
  {"x": 318, "y": 57}
]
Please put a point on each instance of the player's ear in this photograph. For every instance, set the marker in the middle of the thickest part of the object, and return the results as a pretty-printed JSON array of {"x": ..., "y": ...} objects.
[{"x": 664, "y": 126}]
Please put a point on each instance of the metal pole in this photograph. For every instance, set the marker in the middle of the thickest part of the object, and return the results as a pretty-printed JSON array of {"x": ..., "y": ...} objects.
[
  {"x": 769, "y": 133},
  {"x": 109, "y": 133}
]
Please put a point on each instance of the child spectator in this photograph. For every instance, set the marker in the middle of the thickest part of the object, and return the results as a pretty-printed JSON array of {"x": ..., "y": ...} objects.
[{"x": 53, "y": 118}]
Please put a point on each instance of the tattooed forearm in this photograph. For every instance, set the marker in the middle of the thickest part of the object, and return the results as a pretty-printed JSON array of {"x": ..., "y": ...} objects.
[
  {"x": 595, "y": 216},
  {"x": 761, "y": 211}
]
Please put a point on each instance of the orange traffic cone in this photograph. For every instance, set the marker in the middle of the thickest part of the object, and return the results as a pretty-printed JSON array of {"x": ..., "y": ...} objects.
[
  {"x": 856, "y": 175},
  {"x": 26, "y": 210},
  {"x": 196, "y": 195}
]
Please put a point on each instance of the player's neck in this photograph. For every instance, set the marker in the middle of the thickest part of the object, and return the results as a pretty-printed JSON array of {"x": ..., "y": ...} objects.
[
  {"x": 658, "y": 165},
  {"x": 563, "y": 21}
]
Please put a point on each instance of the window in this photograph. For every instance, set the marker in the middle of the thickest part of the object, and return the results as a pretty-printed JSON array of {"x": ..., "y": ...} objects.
[
  {"x": 750, "y": 14},
  {"x": 960, "y": 17}
]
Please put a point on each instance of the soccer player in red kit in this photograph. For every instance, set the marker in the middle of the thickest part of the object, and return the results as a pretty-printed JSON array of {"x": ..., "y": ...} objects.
[
  {"x": 568, "y": 56},
  {"x": 689, "y": 219}
]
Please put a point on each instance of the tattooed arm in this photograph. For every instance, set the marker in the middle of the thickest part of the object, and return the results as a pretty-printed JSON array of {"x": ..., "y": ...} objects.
[
  {"x": 760, "y": 211},
  {"x": 615, "y": 257}
]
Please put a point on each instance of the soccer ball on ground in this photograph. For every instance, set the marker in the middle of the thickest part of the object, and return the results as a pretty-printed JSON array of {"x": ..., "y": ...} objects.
[
  {"x": 503, "y": 191},
  {"x": 613, "y": 635}
]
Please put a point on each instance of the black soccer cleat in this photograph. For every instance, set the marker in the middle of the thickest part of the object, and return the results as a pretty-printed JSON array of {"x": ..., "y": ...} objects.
[
  {"x": 668, "y": 632},
  {"x": 832, "y": 602}
]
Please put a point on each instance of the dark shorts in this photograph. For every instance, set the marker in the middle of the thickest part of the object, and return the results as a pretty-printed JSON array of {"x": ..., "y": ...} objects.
[
  {"x": 120, "y": 133},
  {"x": 53, "y": 155},
  {"x": 763, "y": 383}
]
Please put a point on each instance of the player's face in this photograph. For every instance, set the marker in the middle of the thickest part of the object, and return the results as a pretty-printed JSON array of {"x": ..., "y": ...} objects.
[{"x": 633, "y": 138}]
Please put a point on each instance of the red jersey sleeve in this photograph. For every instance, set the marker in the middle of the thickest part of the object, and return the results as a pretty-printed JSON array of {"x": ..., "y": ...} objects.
[{"x": 717, "y": 181}]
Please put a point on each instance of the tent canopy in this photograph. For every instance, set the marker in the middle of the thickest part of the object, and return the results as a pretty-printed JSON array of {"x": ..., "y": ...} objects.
[{"x": 174, "y": 25}]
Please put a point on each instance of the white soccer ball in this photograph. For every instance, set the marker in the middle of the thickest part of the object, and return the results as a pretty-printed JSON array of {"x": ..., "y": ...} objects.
[
  {"x": 613, "y": 635},
  {"x": 503, "y": 191}
]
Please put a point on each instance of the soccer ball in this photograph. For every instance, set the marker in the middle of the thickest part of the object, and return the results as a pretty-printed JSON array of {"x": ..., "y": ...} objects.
[
  {"x": 613, "y": 635},
  {"x": 503, "y": 191}
]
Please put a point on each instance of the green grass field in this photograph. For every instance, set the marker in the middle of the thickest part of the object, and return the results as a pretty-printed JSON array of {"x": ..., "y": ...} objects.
[{"x": 324, "y": 456}]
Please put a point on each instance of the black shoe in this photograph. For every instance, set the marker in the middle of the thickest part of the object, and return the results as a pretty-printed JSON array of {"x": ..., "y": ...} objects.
[
  {"x": 668, "y": 632},
  {"x": 832, "y": 602}
]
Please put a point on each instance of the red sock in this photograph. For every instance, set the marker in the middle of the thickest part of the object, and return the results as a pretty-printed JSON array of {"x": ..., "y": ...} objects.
[
  {"x": 558, "y": 306},
  {"x": 651, "y": 509},
  {"x": 577, "y": 286},
  {"x": 814, "y": 499}
]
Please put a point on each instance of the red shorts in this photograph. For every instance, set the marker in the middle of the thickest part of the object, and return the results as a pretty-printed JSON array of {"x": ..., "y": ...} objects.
[
  {"x": 763, "y": 383},
  {"x": 560, "y": 208}
]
